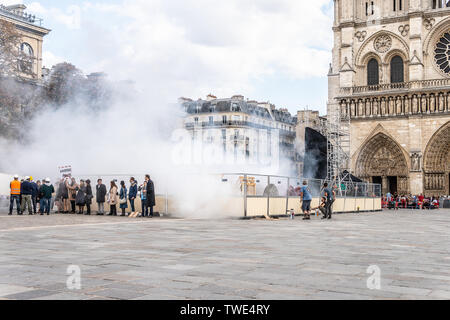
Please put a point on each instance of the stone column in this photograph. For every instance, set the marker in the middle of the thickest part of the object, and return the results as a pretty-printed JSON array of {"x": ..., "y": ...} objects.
[{"x": 385, "y": 185}]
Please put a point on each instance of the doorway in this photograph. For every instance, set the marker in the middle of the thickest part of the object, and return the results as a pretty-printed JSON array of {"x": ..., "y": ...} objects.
[
  {"x": 392, "y": 185},
  {"x": 377, "y": 180}
]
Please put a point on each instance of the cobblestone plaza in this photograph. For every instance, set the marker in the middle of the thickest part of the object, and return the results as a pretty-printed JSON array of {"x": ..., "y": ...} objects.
[{"x": 164, "y": 259}]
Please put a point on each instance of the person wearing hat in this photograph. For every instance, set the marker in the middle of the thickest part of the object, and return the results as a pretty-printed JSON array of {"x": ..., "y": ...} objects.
[
  {"x": 46, "y": 191},
  {"x": 27, "y": 194},
  {"x": 14, "y": 195},
  {"x": 34, "y": 195}
]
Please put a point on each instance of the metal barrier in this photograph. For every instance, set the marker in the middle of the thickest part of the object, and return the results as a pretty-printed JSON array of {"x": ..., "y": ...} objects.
[{"x": 275, "y": 187}]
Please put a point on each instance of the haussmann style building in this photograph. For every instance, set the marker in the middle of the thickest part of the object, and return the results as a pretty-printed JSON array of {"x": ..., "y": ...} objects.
[{"x": 244, "y": 128}]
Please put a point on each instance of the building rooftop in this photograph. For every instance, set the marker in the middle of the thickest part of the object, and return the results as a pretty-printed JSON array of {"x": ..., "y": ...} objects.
[
  {"x": 17, "y": 12},
  {"x": 237, "y": 103}
]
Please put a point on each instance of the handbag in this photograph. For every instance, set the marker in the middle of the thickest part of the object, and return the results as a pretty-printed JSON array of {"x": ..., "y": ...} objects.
[{"x": 123, "y": 201}]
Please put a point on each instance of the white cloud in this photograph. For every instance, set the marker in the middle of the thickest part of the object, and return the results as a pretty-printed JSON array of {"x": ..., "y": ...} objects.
[
  {"x": 11, "y": 2},
  {"x": 36, "y": 8},
  {"x": 70, "y": 17},
  {"x": 195, "y": 47},
  {"x": 50, "y": 59}
]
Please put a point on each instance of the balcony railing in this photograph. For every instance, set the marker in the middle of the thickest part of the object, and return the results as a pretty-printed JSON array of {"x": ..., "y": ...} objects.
[
  {"x": 25, "y": 17},
  {"x": 239, "y": 124},
  {"x": 412, "y": 85}
]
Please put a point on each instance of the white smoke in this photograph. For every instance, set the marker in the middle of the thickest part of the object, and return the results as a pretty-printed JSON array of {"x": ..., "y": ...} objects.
[{"x": 133, "y": 135}]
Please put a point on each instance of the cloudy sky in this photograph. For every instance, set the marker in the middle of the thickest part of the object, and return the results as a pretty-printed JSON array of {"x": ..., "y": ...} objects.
[{"x": 267, "y": 50}]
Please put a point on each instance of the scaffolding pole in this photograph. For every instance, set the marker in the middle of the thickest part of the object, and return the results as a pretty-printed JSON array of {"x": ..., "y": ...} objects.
[{"x": 338, "y": 144}]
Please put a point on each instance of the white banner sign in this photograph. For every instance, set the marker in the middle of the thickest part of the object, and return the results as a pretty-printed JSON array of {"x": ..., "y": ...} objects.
[{"x": 65, "y": 171}]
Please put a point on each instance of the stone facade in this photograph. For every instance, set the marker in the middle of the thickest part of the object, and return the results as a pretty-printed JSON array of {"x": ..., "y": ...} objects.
[
  {"x": 390, "y": 76},
  {"x": 32, "y": 32},
  {"x": 252, "y": 131}
]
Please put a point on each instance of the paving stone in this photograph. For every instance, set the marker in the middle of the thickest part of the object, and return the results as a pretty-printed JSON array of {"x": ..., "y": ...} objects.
[
  {"x": 118, "y": 294},
  {"x": 6, "y": 289},
  {"x": 28, "y": 295},
  {"x": 226, "y": 259}
]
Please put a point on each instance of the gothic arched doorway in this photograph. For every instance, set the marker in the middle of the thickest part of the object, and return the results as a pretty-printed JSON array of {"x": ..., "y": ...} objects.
[
  {"x": 382, "y": 161},
  {"x": 436, "y": 163}
]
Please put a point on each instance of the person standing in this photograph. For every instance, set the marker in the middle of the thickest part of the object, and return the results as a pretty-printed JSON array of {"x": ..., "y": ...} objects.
[
  {"x": 27, "y": 194},
  {"x": 39, "y": 195},
  {"x": 47, "y": 191},
  {"x": 65, "y": 194},
  {"x": 15, "y": 195},
  {"x": 143, "y": 190},
  {"x": 306, "y": 197},
  {"x": 34, "y": 194},
  {"x": 100, "y": 194},
  {"x": 123, "y": 197},
  {"x": 72, "y": 188},
  {"x": 421, "y": 200},
  {"x": 89, "y": 197},
  {"x": 389, "y": 200},
  {"x": 151, "y": 202},
  {"x": 58, "y": 197},
  {"x": 113, "y": 199},
  {"x": 132, "y": 194},
  {"x": 329, "y": 195},
  {"x": 81, "y": 197}
]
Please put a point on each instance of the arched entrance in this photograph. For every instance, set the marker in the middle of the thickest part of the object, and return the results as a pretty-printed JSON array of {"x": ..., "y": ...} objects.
[
  {"x": 437, "y": 163},
  {"x": 382, "y": 161}
]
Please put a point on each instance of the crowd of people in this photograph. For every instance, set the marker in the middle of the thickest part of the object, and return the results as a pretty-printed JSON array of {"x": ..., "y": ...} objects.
[
  {"x": 396, "y": 201},
  {"x": 39, "y": 197}
]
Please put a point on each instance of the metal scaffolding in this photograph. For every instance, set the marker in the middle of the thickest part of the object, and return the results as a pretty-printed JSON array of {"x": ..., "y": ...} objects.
[{"x": 338, "y": 145}]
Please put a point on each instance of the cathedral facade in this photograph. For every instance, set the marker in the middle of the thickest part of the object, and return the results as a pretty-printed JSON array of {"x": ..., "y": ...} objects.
[{"x": 390, "y": 76}]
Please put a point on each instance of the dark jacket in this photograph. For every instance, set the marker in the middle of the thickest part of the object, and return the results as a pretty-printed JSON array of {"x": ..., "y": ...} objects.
[
  {"x": 123, "y": 195},
  {"x": 80, "y": 199},
  {"x": 47, "y": 191},
  {"x": 100, "y": 193},
  {"x": 35, "y": 191},
  {"x": 89, "y": 195},
  {"x": 133, "y": 191},
  {"x": 151, "y": 202},
  {"x": 63, "y": 190},
  {"x": 26, "y": 188}
]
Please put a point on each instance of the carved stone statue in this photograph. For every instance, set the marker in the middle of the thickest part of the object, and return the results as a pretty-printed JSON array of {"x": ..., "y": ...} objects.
[
  {"x": 423, "y": 104},
  {"x": 360, "y": 108},
  {"x": 414, "y": 104},
  {"x": 432, "y": 103},
  {"x": 352, "y": 110},
  {"x": 407, "y": 103},
  {"x": 343, "y": 108},
  {"x": 383, "y": 106},
  {"x": 351, "y": 107},
  {"x": 441, "y": 102},
  {"x": 398, "y": 103},
  {"x": 415, "y": 161},
  {"x": 368, "y": 107},
  {"x": 375, "y": 107},
  {"x": 391, "y": 106}
]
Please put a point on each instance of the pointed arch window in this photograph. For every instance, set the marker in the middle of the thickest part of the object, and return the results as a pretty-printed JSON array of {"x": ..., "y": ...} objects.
[
  {"x": 397, "y": 70},
  {"x": 373, "y": 77}
]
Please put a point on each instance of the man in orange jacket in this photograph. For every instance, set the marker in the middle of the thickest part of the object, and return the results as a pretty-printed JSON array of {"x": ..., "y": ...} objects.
[{"x": 15, "y": 195}]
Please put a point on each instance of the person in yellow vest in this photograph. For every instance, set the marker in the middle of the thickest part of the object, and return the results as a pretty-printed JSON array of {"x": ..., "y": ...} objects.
[{"x": 15, "y": 195}]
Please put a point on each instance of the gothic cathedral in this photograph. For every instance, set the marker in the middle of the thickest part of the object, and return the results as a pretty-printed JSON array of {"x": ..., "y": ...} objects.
[{"x": 390, "y": 76}]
